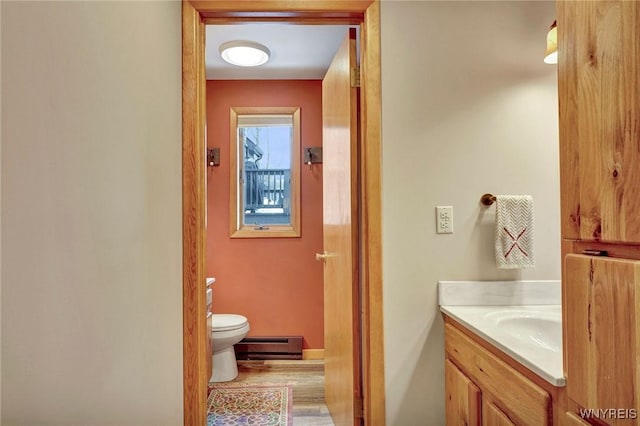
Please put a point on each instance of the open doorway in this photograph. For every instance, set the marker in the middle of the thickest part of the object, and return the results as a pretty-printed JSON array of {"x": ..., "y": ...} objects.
[
  {"x": 368, "y": 189},
  {"x": 271, "y": 277}
]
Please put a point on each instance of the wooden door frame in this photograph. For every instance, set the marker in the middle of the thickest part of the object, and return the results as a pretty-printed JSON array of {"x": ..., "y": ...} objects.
[{"x": 195, "y": 14}]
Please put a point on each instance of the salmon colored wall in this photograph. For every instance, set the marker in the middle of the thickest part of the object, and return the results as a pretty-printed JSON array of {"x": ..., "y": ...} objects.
[{"x": 275, "y": 282}]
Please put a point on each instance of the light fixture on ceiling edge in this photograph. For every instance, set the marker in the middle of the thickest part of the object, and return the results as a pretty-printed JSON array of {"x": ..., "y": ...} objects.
[
  {"x": 551, "y": 54},
  {"x": 244, "y": 53}
]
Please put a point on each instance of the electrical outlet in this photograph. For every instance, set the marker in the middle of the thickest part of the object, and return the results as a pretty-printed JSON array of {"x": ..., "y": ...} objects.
[{"x": 444, "y": 220}]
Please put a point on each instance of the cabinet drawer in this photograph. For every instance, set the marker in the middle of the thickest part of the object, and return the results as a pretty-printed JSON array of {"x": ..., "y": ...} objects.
[{"x": 521, "y": 400}]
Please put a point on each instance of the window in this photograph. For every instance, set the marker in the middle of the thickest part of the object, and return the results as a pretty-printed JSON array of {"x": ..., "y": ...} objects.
[{"x": 265, "y": 172}]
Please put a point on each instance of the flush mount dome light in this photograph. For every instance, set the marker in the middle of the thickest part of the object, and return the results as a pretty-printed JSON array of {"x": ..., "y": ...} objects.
[{"x": 244, "y": 53}]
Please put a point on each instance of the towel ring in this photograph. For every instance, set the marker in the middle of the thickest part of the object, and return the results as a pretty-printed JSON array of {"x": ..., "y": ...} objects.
[{"x": 487, "y": 199}]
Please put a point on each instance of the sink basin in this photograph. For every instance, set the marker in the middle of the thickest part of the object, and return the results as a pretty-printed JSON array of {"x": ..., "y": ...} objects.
[
  {"x": 530, "y": 334},
  {"x": 541, "y": 329}
]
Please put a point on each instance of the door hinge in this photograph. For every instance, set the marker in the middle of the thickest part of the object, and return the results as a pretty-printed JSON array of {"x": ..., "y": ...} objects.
[{"x": 355, "y": 76}]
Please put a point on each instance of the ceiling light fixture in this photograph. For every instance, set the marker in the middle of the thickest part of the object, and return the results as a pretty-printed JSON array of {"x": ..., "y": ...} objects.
[
  {"x": 244, "y": 53},
  {"x": 551, "y": 55}
]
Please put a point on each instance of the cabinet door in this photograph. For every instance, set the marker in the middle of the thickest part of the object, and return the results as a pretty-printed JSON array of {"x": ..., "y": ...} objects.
[
  {"x": 524, "y": 401},
  {"x": 599, "y": 100},
  {"x": 571, "y": 419},
  {"x": 493, "y": 416},
  {"x": 462, "y": 398},
  {"x": 603, "y": 332}
]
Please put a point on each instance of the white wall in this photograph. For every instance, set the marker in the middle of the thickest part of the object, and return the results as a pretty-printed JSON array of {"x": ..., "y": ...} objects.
[
  {"x": 91, "y": 224},
  {"x": 468, "y": 107},
  {"x": 90, "y": 186}
]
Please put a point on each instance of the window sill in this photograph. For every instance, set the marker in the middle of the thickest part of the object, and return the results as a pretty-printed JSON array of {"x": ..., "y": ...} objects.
[{"x": 272, "y": 231}]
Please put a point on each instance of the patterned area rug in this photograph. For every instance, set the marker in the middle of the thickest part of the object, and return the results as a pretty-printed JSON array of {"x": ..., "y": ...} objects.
[{"x": 232, "y": 404}]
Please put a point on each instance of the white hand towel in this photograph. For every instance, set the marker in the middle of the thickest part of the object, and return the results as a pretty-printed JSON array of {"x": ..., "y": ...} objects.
[{"x": 514, "y": 232}]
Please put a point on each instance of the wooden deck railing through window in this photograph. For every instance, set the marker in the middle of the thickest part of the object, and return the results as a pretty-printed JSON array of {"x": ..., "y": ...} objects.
[{"x": 267, "y": 189}]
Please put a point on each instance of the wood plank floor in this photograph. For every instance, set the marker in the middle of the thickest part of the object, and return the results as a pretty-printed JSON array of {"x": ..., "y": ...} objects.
[{"x": 307, "y": 378}]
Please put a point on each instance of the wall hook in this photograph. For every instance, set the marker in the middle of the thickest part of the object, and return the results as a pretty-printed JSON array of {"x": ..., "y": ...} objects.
[
  {"x": 313, "y": 155},
  {"x": 213, "y": 157}
]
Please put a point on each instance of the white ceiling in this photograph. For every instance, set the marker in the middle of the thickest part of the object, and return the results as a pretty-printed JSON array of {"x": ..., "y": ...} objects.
[{"x": 298, "y": 52}]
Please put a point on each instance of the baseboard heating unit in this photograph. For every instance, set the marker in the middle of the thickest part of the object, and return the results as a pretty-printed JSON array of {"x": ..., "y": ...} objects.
[{"x": 286, "y": 347}]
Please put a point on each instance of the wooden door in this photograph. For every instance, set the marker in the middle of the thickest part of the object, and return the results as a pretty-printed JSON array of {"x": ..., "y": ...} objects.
[
  {"x": 603, "y": 319},
  {"x": 599, "y": 99},
  {"x": 340, "y": 227},
  {"x": 462, "y": 398}
]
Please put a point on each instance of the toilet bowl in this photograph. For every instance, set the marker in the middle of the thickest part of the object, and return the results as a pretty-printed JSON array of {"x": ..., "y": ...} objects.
[{"x": 228, "y": 329}]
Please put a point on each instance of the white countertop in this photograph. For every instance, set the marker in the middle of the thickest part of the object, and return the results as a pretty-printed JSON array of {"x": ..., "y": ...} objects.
[
  {"x": 521, "y": 318},
  {"x": 474, "y": 293}
]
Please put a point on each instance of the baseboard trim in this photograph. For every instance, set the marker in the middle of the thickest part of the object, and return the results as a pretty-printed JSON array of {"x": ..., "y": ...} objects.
[
  {"x": 313, "y": 354},
  {"x": 277, "y": 347}
]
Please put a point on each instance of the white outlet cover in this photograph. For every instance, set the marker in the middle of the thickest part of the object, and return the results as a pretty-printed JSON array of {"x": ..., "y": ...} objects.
[{"x": 444, "y": 220}]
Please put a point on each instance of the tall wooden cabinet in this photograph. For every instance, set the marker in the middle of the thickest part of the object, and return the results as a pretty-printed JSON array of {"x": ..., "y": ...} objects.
[{"x": 599, "y": 100}]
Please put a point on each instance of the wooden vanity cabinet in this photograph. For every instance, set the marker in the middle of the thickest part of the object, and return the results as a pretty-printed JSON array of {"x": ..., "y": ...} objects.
[{"x": 483, "y": 389}]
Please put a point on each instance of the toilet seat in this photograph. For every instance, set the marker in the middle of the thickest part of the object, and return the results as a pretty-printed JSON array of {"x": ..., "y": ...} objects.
[{"x": 227, "y": 322}]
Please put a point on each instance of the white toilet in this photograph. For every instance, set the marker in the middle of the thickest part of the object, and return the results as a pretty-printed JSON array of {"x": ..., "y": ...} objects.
[{"x": 228, "y": 329}]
